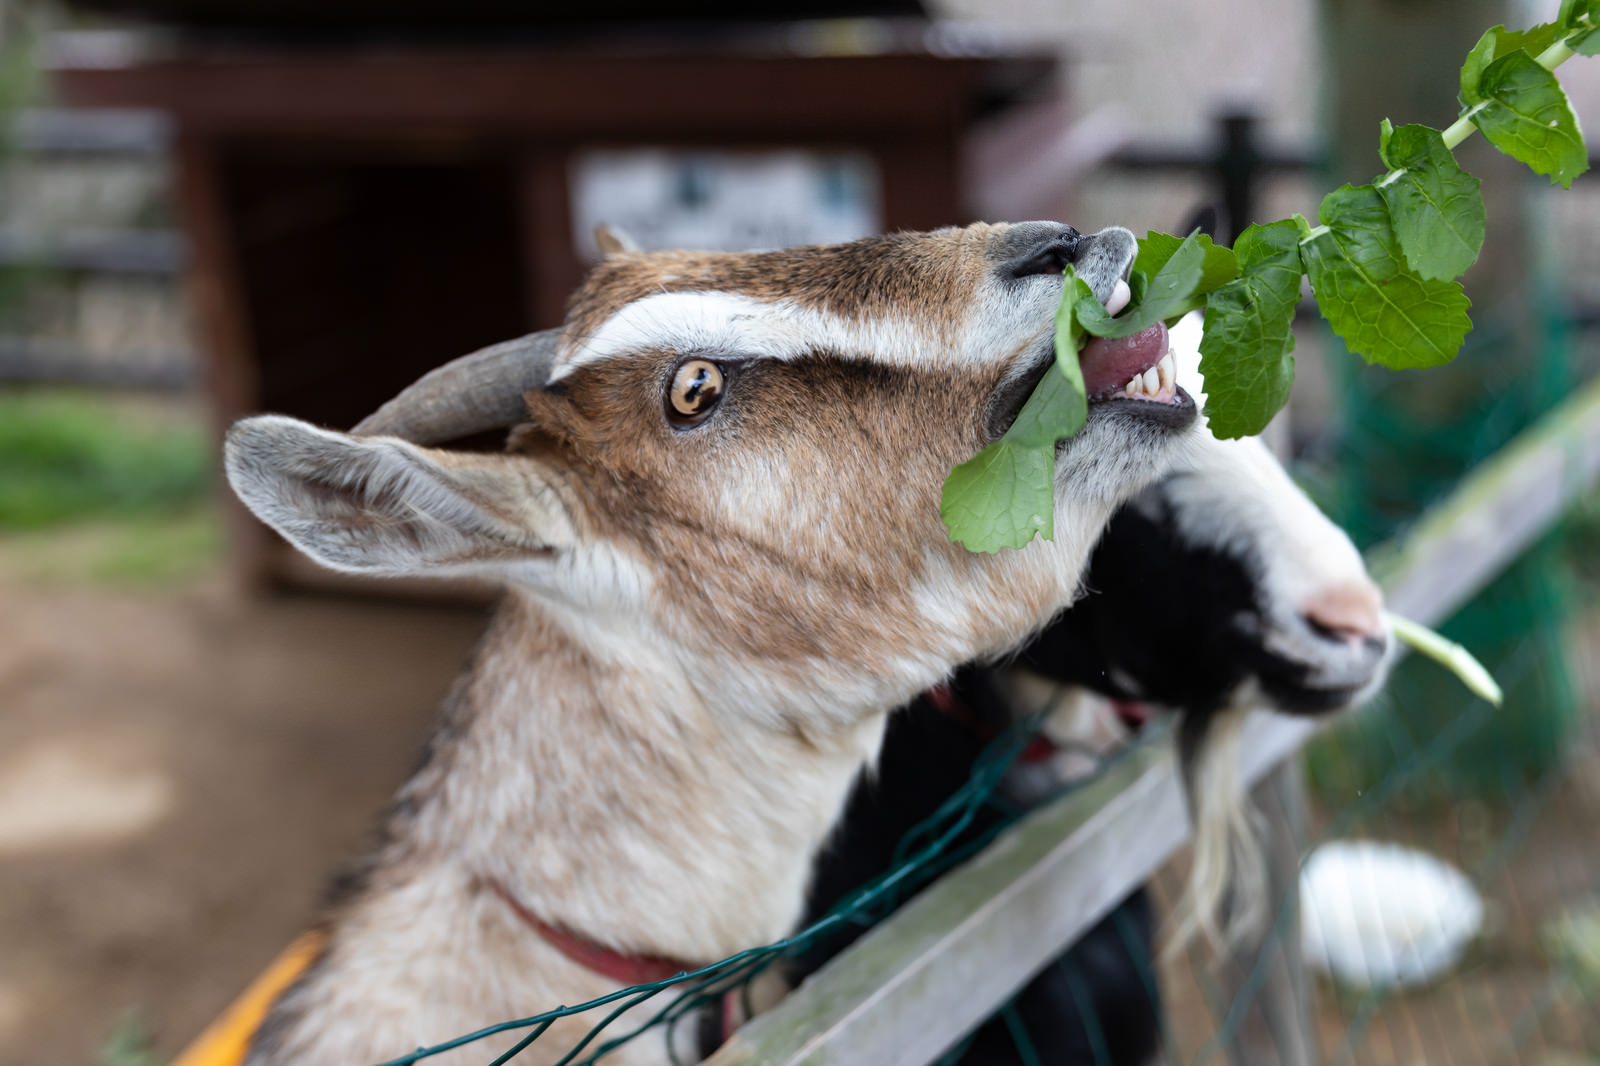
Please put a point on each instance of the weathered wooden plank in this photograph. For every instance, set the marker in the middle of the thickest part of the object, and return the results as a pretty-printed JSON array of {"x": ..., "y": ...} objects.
[
  {"x": 914, "y": 985},
  {"x": 917, "y": 982}
]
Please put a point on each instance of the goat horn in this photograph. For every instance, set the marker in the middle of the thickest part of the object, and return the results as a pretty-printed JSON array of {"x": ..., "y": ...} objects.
[{"x": 468, "y": 395}]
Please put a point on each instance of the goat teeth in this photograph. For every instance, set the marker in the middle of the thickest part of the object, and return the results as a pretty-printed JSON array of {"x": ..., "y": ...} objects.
[
  {"x": 1152, "y": 381},
  {"x": 1165, "y": 370},
  {"x": 1131, "y": 386},
  {"x": 1120, "y": 296}
]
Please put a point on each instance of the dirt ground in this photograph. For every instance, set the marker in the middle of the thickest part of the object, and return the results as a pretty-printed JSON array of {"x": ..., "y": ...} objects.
[{"x": 179, "y": 769}]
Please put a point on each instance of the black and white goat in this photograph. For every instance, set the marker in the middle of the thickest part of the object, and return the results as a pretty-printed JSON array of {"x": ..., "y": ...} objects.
[{"x": 1216, "y": 591}]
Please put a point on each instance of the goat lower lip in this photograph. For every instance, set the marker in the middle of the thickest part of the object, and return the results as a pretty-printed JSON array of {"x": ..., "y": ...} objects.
[{"x": 1180, "y": 412}]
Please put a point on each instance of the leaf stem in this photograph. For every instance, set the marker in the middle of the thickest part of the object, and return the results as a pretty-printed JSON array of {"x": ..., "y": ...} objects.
[
  {"x": 1556, "y": 54},
  {"x": 1448, "y": 654},
  {"x": 1462, "y": 128}
]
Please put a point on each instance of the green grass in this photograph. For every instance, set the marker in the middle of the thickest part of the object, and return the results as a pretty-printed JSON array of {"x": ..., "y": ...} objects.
[
  {"x": 104, "y": 489},
  {"x": 155, "y": 549},
  {"x": 129, "y": 1043},
  {"x": 68, "y": 457}
]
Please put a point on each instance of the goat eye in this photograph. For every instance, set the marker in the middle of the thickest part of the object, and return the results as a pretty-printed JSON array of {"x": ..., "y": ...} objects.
[{"x": 696, "y": 389}]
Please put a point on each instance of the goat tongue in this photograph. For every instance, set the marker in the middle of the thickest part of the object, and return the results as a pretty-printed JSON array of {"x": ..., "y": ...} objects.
[{"x": 1110, "y": 363}]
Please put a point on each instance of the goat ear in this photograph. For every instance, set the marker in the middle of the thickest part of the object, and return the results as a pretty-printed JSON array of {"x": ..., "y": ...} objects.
[
  {"x": 612, "y": 239},
  {"x": 382, "y": 506}
]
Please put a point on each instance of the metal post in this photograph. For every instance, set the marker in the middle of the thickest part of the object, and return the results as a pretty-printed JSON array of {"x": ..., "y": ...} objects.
[{"x": 1238, "y": 162}]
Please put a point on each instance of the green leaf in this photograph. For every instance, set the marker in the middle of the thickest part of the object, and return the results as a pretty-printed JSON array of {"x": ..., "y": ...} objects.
[
  {"x": 1586, "y": 45},
  {"x": 1073, "y": 407},
  {"x": 1499, "y": 41},
  {"x": 1533, "y": 40},
  {"x": 1435, "y": 206},
  {"x": 1244, "y": 352},
  {"x": 1138, "y": 285},
  {"x": 1582, "y": 16},
  {"x": 1524, "y": 113},
  {"x": 1385, "y": 313},
  {"x": 1477, "y": 60},
  {"x": 1173, "y": 291},
  {"x": 1005, "y": 496},
  {"x": 1055, "y": 411},
  {"x": 1001, "y": 498},
  {"x": 1577, "y": 14},
  {"x": 1220, "y": 266}
]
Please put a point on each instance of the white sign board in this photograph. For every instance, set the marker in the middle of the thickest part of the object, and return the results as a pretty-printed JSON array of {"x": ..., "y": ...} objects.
[{"x": 724, "y": 201}]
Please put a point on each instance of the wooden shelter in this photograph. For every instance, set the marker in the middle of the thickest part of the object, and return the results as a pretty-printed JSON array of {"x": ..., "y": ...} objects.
[{"x": 362, "y": 208}]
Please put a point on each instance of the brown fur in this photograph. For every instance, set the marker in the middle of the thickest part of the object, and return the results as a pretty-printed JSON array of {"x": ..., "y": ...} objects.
[{"x": 930, "y": 272}]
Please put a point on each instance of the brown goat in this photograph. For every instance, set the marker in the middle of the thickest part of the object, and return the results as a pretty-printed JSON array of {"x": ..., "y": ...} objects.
[{"x": 718, "y": 527}]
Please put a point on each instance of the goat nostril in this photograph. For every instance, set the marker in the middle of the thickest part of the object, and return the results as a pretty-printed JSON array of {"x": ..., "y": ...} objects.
[
  {"x": 1051, "y": 257},
  {"x": 1350, "y": 612}
]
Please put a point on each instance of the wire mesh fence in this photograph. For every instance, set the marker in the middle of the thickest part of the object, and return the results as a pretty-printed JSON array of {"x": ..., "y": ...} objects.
[{"x": 1524, "y": 990}]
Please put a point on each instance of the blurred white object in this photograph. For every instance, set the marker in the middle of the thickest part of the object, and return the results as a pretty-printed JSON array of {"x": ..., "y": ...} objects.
[{"x": 1382, "y": 914}]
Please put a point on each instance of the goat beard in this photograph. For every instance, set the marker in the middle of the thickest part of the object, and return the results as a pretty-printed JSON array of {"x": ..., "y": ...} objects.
[{"x": 1226, "y": 895}]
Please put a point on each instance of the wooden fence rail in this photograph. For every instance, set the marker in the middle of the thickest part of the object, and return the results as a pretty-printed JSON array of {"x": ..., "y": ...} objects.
[{"x": 917, "y": 983}]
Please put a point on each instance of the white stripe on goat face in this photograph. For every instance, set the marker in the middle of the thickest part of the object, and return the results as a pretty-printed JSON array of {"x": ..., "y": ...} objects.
[
  {"x": 924, "y": 300},
  {"x": 1012, "y": 318}
]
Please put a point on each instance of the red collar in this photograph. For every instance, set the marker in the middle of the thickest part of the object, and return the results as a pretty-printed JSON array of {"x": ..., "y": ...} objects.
[{"x": 628, "y": 969}]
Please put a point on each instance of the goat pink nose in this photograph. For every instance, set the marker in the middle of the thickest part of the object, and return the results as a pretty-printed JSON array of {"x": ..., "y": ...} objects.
[{"x": 1352, "y": 610}]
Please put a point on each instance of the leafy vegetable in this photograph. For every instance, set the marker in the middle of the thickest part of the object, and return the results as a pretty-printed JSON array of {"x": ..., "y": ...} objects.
[
  {"x": 1499, "y": 41},
  {"x": 1582, "y": 16},
  {"x": 1218, "y": 267},
  {"x": 1385, "y": 313},
  {"x": 1005, "y": 495},
  {"x": 1520, "y": 107},
  {"x": 1435, "y": 206},
  {"x": 1382, "y": 265},
  {"x": 1244, "y": 354},
  {"x": 1171, "y": 293},
  {"x": 1002, "y": 498},
  {"x": 1073, "y": 407}
]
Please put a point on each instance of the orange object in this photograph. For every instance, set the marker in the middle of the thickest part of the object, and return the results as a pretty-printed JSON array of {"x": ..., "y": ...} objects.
[{"x": 225, "y": 1041}]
